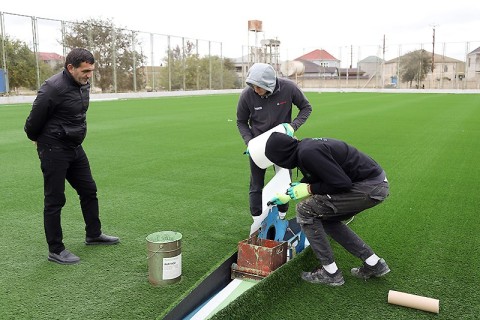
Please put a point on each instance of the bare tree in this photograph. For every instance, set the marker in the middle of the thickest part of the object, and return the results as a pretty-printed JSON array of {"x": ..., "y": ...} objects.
[
  {"x": 415, "y": 67},
  {"x": 187, "y": 70},
  {"x": 115, "y": 59}
]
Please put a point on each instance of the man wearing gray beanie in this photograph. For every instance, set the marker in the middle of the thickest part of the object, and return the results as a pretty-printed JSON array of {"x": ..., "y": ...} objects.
[{"x": 264, "y": 104}]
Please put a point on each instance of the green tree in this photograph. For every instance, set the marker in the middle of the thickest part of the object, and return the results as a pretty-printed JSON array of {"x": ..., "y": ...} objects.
[
  {"x": 414, "y": 66},
  {"x": 188, "y": 71},
  {"x": 116, "y": 60},
  {"x": 223, "y": 76},
  {"x": 21, "y": 65}
]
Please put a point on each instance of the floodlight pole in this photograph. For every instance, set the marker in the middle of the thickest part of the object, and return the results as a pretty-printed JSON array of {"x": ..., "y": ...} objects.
[
  {"x": 134, "y": 62},
  {"x": 152, "y": 62},
  {"x": 4, "y": 55},
  {"x": 383, "y": 64},
  {"x": 433, "y": 49},
  {"x": 35, "y": 48}
]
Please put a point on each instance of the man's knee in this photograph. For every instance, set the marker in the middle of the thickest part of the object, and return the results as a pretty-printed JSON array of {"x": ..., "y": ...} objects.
[
  {"x": 311, "y": 208},
  {"x": 304, "y": 214},
  {"x": 53, "y": 203},
  {"x": 303, "y": 209},
  {"x": 88, "y": 191}
]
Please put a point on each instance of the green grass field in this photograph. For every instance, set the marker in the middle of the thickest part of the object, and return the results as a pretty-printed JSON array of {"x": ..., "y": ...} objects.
[{"x": 176, "y": 163}]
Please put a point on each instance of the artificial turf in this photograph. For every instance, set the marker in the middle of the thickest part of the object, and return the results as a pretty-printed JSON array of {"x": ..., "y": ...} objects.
[{"x": 177, "y": 163}]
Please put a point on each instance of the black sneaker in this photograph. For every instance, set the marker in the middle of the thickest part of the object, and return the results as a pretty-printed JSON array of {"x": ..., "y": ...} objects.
[
  {"x": 102, "y": 239},
  {"x": 366, "y": 271},
  {"x": 64, "y": 257},
  {"x": 320, "y": 275}
]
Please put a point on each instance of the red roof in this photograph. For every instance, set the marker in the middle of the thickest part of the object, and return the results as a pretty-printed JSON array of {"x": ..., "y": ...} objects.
[
  {"x": 316, "y": 55},
  {"x": 49, "y": 56}
]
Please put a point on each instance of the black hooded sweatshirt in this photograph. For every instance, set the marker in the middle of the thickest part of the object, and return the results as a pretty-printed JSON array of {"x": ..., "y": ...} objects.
[
  {"x": 330, "y": 166},
  {"x": 256, "y": 114}
]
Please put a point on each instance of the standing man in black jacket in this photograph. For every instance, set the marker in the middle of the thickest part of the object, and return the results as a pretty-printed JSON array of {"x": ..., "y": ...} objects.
[
  {"x": 57, "y": 125},
  {"x": 339, "y": 181},
  {"x": 263, "y": 105}
]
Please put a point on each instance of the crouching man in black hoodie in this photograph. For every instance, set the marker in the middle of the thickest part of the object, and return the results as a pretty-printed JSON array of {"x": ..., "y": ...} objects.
[{"x": 338, "y": 182}]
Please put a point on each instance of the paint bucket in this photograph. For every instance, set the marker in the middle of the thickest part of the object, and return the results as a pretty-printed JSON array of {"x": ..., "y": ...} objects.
[
  {"x": 256, "y": 147},
  {"x": 164, "y": 254}
]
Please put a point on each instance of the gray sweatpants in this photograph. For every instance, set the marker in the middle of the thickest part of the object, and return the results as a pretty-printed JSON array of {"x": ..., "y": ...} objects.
[{"x": 322, "y": 215}]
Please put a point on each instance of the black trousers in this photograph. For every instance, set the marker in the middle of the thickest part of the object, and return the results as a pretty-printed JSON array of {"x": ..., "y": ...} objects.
[
  {"x": 257, "y": 182},
  {"x": 322, "y": 215},
  {"x": 59, "y": 165}
]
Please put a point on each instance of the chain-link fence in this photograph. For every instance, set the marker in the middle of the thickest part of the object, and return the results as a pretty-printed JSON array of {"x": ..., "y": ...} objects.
[
  {"x": 406, "y": 66},
  {"x": 126, "y": 60},
  {"x": 135, "y": 61}
]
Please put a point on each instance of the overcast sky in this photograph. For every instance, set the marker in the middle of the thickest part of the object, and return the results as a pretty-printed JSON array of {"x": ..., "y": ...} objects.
[{"x": 301, "y": 26}]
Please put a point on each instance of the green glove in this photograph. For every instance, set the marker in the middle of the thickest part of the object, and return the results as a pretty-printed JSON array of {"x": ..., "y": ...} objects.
[
  {"x": 289, "y": 129},
  {"x": 280, "y": 198},
  {"x": 298, "y": 190}
]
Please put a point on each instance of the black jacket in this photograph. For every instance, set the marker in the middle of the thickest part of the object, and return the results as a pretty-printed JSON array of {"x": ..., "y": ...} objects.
[
  {"x": 330, "y": 166},
  {"x": 59, "y": 112}
]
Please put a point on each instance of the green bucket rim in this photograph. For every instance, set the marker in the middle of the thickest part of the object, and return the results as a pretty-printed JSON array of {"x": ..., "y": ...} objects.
[{"x": 164, "y": 237}]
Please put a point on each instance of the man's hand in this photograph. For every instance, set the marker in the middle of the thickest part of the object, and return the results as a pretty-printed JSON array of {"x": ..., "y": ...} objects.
[
  {"x": 288, "y": 129},
  {"x": 298, "y": 190},
  {"x": 280, "y": 198}
]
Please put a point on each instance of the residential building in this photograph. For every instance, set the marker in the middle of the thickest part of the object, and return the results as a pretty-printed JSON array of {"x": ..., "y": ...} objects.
[
  {"x": 473, "y": 65},
  {"x": 321, "y": 58},
  {"x": 447, "y": 72},
  {"x": 54, "y": 60}
]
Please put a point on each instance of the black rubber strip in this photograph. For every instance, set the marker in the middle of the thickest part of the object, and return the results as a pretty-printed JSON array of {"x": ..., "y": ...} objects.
[{"x": 213, "y": 284}]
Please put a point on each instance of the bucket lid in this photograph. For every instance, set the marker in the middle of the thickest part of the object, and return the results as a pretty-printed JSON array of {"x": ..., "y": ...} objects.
[{"x": 164, "y": 237}]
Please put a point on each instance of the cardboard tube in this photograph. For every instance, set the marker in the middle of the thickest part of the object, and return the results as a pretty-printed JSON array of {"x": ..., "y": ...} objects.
[{"x": 413, "y": 301}]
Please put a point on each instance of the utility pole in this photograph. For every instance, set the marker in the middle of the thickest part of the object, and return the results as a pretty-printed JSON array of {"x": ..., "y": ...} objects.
[
  {"x": 351, "y": 56},
  {"x": 383, "y": 62},
  {"x": 433, "y": 49}
]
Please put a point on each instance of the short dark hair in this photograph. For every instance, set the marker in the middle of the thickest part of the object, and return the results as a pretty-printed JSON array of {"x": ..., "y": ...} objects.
[{"x": 77, "y": 56}]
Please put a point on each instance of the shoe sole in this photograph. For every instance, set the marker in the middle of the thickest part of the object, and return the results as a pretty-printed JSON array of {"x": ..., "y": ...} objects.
[
  {"x": 382, "y": 274},
  {"x": 100, "y": 243},
  {"x": 373, "y": 275},
  {"x": 62, "y": 262},
  {"x": 333, "y": 284}
]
